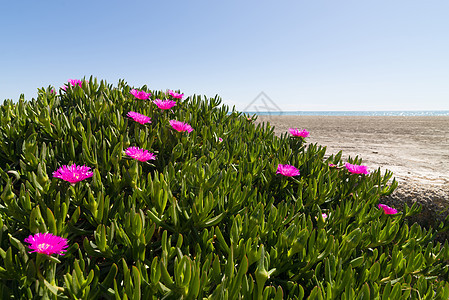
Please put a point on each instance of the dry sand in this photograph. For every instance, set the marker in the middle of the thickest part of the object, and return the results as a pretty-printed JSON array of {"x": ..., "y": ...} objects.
[{"x": 416, "y": 149}]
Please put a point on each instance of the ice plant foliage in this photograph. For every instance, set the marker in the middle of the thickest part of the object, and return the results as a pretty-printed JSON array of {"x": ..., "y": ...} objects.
[
  {"x": 180, "y": 126},
  {"x": 47, "y": 243},
  {"x": 73, "y": 173},
  {"x": 140, "y": 154},
  {"x": 181, "y": 194},
  {"x": 299, "y": 133},
  {"x": 356, "y": 169},
  {"x": 287, "y": 170},
  {"x": 139, "y": 118},
  {"x": 388, "y": 210},
  {"x": 164, "y": 104},
  {"x": 175, "y": 95},
  {"x": 142, "y": 95}
]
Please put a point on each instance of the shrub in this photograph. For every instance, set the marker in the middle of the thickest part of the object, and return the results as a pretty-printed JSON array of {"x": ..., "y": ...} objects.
[{"x": 192, "y": 214}]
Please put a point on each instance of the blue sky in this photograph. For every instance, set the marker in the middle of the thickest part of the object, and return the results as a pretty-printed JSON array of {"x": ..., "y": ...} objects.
[{"x": 304, "y": 55}]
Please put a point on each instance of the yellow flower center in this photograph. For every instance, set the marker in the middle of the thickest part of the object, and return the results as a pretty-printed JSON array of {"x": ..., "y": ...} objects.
[{"x": 43, "y": 247}]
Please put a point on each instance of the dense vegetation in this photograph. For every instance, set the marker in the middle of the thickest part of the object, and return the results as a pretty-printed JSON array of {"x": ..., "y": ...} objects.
[{"x": 208, "y": 217}]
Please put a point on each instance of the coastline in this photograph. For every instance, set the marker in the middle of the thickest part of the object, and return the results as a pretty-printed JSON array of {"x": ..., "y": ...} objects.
[{"x": 354, "y": 113}]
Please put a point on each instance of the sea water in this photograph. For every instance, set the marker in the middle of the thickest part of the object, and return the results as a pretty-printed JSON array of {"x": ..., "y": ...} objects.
[{"x": 352, "y": 113}]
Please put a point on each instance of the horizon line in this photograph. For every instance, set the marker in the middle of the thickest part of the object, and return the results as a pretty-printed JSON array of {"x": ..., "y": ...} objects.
[{"x": 355, "y": 110}]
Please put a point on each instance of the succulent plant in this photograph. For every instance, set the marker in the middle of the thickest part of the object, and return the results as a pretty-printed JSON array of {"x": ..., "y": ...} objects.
[{"x": 206, "y": 216}]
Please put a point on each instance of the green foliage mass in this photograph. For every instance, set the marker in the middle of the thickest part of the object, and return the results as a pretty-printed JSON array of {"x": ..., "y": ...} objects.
[{"x": 206, "y": 219}]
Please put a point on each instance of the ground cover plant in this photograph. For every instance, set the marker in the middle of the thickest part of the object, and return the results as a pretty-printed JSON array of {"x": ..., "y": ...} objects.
[{"x": 128, "y": 193}]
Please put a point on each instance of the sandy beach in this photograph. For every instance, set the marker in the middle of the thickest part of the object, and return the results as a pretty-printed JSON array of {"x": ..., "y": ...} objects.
[{"x": 416, "y": 149}]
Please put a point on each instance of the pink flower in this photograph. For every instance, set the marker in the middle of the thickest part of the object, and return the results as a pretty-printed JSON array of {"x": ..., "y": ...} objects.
[
  {"x": 73, "y": 173},
  {"x": 356, "y": 169},
  {"x": 140, "y": 154},
  {"x": 175, "y": 95},
  {"x": 324, "y": 216},
  {"x": 301, "y": 133},
  {"x": 388, "y": 210},
  {"x": 332, "y": 165},
  {"x": 220, "y": 140},
  {"x": 164, "y": 104},
  {"x": 47, "y": 243},
  {"x": 74, "y": 82},
  {"x": 287, "y": 170},
  {"x": 140, "y": 94},
  {"x": 139, "y": 118},
  {"x": 180, "y": 126}
]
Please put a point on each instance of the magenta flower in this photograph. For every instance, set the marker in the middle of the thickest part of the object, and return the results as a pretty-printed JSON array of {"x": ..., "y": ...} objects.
[
  {"x": 74, "y": 82},
  {"x": 220, "y": 140},
  {"x": 356, "y": 169},
  {"x": 140, "y": 94},
  {"x": 139, "y": 118},
  {"x": 180, "y": 126},
  {"x": 47, "y": 243},
  {"x": 287, "y": 170},
  {"x": 164, "y": 104},
  {"x": 388, "y": 210},
  {"x": 140, "y": 154},
  {"x": 322, "y": 215},
  {"x": 73, "y": 173},
  {"x": 175, "y": 95},
  {"x": 332, "y": 165},
  {"x": 300, "y": 133}
]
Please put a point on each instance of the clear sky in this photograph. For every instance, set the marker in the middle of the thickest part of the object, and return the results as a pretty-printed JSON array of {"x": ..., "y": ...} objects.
[{"x": 304, "y": 55}]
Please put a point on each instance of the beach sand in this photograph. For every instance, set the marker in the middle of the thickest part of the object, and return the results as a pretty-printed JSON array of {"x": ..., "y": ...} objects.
[{"x": 416, "y": 149}]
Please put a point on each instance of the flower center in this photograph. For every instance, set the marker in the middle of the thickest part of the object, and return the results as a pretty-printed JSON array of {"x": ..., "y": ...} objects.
[{"x": 43, "y": 247}]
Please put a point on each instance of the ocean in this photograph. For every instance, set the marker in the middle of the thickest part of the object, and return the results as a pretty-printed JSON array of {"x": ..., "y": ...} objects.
[{"x": 419, "y": 113}]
